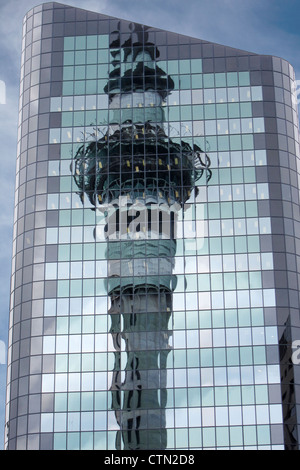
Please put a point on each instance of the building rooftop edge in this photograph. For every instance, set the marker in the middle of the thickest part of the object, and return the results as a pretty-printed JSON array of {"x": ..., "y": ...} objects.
[{"x": 159, "y": 29}]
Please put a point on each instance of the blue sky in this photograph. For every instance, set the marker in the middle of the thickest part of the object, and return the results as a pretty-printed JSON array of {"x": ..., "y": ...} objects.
[{"x": 262, "y": 26}]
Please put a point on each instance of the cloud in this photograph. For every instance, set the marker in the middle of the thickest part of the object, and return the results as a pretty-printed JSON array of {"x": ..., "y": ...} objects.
[
  {"x": 8, "y": 133},
  {"x": 11, "y": 14},
  {"x": 247, "y": 25}
]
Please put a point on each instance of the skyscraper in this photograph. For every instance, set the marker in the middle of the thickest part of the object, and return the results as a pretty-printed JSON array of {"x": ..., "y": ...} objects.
[{"x": 155, "y": 295}]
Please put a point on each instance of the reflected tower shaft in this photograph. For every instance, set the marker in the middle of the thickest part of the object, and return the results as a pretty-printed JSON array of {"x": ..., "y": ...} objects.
[{"x": 140, "y": 179}]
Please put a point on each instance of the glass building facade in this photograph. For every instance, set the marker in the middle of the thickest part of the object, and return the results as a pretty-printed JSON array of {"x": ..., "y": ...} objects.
[{"x": 155, "y": 275}]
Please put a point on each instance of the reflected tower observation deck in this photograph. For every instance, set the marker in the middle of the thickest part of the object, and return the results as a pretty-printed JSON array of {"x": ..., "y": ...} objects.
[{"x": 140, "y": 180}]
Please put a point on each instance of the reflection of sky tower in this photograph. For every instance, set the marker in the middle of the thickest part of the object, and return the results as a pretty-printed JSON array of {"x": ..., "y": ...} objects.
[{"x": 136, "y": 163}]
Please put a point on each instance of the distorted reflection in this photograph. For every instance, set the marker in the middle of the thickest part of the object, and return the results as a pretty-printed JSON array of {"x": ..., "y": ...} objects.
[{"x": 130, "y": 172}]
